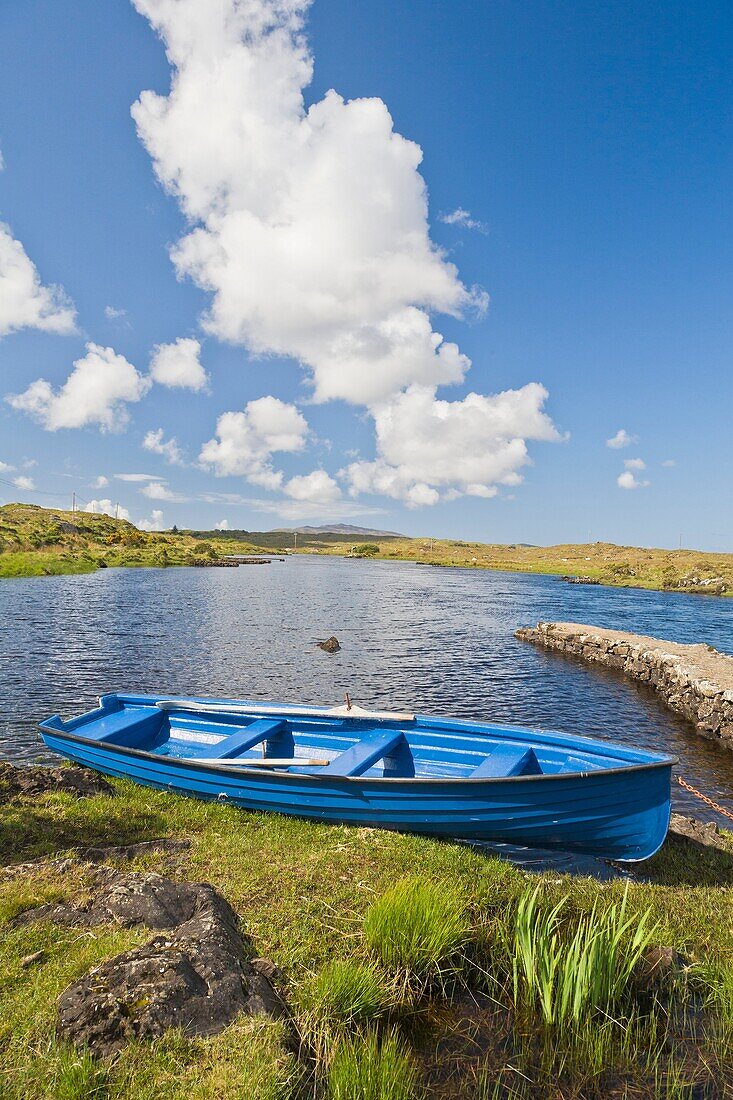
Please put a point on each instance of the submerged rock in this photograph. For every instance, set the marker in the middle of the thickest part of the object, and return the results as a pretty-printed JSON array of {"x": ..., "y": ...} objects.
[
  {"x": 331, "y": 645},
  {"x": 29, "y": 782},
  {"x": 195, "y": 977}
]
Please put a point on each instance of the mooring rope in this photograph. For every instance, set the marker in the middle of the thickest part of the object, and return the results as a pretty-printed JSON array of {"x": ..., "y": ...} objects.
[{"x": 704, "y": 798}]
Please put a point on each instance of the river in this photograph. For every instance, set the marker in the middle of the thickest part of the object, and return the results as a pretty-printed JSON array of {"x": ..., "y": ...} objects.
[{"x": 413, "y": 637}]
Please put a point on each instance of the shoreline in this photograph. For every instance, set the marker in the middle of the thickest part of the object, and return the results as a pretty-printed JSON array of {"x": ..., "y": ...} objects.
[
  {"x": 695, "y": 681},
  {"x": 53, "y": 565}
]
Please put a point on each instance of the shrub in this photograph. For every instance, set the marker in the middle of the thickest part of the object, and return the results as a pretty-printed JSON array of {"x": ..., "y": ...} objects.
[
  {"x": 365, "y": 549},
  {"x": 370, "y": 1069},
  {"x": 418, "y": 930}
]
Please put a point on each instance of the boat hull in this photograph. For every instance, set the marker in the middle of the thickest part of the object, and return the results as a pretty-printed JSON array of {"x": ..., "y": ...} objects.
[{"x": 620, "y": 813}]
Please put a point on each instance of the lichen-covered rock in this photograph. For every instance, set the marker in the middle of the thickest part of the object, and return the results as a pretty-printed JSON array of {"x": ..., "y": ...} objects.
[
  {"x": 32, "y": 781},
  {"x": 195, "y": 977},
  {"x": 331, "y": 645}
]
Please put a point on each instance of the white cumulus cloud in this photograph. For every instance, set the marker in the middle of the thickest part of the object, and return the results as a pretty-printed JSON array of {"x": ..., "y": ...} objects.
[
  {"x": 317, "y": 487},
  {"x": 96, "y": 392},
  {"x": 113, "y": 314},
  {"x": 155, "y": 523},
  {"x": 222, "y": 525},
  {"x": 158, "y": 490},
  {"x": 428, "y": 449},
  {"x": 620, "y": 439},
  {"x": 245, "y": 441},
  {"x": 105, "y": 507},
  {"x": 24, "y": 301},
  {"x": 629, "y": 480},
  {"x": 138, "y": 477},
  {"x": 24, "y": 483},
  {"x": 177, "y": 365},
  {"x": 309, "y": 225},
  {"x": 308, "y": 228},
  {"x": 5, "y": 467},
  {"x": 635, "y": 464},
  {"x": 100, "y": 482},
  {"x": 156, "y": 442}
]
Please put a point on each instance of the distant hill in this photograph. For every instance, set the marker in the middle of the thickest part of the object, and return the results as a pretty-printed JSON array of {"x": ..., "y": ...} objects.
[{"x": 342, "y": 529}]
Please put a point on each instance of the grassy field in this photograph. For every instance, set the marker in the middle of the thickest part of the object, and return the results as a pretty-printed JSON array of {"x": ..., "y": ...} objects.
[
  {"x": 600, "y": 562},
  {"x": 413, "y": 968},
  {"x": 40, "y": 541},
  {"x": 36, "y": 541}
]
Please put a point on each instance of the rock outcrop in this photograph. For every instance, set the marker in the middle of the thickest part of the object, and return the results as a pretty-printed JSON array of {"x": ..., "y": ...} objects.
[
  {"x": 196, "y": 976},
  {"x": 696, "y": 681},
  {"x": 29, "y": 782},
  {"x": 331, "y": 645}
]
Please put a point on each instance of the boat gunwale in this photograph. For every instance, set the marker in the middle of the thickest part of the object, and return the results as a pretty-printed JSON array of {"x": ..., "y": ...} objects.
[{"x": 255, "y": 772}]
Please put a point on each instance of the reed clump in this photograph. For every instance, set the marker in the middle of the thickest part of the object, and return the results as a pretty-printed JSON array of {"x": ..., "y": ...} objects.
[{"x": 562, "y": 975}]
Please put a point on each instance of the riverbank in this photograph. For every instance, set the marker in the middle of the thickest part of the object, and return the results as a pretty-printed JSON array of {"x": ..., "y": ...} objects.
[
  {"x": 696, "y": 681},
  {"x": 328, "y": 906},
  {"x": 37, "y": 542},
  {"x": 602, "y": 563}
]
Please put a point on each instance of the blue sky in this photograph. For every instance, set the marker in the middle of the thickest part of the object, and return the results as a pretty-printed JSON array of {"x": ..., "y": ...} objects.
[{"x": 577, "y": 160}]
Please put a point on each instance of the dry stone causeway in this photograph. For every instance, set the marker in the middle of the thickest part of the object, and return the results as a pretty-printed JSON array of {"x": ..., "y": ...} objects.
[{"x": 696, "y": 681}]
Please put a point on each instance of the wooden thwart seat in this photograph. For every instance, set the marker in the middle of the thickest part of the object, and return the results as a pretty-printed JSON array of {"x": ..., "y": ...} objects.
[
  {"x": 508, "y": 760},
  {"x": 127, "y": 727},
  {"x": 360, "y": 757},
  {"x": 246, "y": 738}
]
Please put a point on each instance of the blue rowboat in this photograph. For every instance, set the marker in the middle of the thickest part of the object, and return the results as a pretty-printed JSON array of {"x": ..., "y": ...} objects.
[{"x": 440, "y": 776}]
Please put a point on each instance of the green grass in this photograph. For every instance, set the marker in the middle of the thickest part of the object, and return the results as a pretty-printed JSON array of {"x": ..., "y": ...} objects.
[
  {"x": 344, "y": 912},
  {"x": 37, "y": 542},
  {"x": 345, "y": 994},
  {"x": 418, "y": 931},
  {"x": 564, "y": 976},
  {"x": 373, "y": 1068},
  {"x": 606, "y": 563}
]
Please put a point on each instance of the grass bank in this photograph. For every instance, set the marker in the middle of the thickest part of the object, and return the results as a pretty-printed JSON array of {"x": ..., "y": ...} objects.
[
  {"x": 38, "y": 542},
  {"x": 41, "y": 541},
  {"x": 412, "y": 968},
  {"x": 598, "y": 563}
]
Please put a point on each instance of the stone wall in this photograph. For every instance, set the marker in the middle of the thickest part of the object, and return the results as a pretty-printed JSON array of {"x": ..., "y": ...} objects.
[{"x": 696, "y": 681}]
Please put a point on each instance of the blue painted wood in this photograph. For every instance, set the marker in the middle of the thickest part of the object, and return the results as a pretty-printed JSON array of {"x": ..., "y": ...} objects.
[
  {"x": 246, "y": 738},
  {"x": 360, "y": 757},
  {"x": 506, "y": 760},
  {"x": 606, "y": 799}
]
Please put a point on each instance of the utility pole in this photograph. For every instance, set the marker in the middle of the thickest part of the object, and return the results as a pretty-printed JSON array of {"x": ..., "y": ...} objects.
[
  {"x": 73, "y": 503},
  {"x": 117, "y": 510},
  {"x": 296, "y": 540}
]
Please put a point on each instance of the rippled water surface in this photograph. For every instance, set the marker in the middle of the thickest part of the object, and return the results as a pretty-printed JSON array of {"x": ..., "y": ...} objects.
[{"x": 413, "y": 637}]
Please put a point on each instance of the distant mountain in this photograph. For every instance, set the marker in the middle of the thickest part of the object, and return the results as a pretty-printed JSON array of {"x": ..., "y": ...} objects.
[{"x": 342, "y": 529}]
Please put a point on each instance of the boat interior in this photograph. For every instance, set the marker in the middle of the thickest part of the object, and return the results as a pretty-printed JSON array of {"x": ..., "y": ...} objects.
[{"x": 338, "y": 744}]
